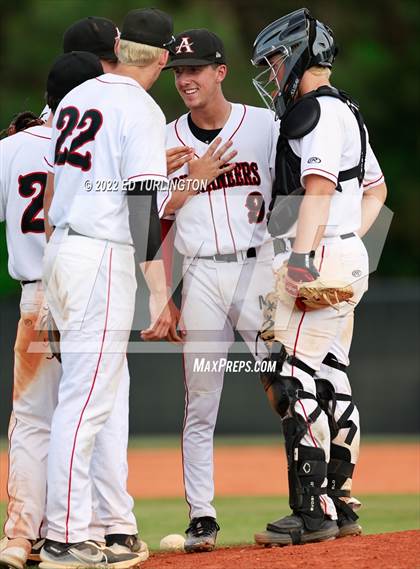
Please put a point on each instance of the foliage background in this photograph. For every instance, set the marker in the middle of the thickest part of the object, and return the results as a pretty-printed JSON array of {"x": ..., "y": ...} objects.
[{"x": 378, "y": 64}]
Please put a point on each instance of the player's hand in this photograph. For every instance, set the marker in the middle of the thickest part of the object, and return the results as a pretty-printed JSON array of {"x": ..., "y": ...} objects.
[
  {"x": 160, "y": 318},
  {"x": 300, "y": 269},
  {"x": 214, "y": 162},
  {"x": 178, "y": 156},
  {"x": 176, "y": 336}
]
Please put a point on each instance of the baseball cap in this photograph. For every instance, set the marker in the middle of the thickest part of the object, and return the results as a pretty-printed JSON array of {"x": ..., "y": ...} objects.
[
  {"x": 148, "y": 26},
  {"x": 93, "y": 34},
  {"x": 197, "y": 47},
  {"x": 70, "y": 70}
]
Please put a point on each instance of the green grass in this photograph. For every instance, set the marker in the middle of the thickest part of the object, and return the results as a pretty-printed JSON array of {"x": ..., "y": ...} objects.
[
  {"x": 174, "y": 441},
  {"x": 241, "y": 517}
]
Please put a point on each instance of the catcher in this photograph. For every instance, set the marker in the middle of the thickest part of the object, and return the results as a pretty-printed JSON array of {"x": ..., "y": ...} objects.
[{"x": 328, "y": 191}]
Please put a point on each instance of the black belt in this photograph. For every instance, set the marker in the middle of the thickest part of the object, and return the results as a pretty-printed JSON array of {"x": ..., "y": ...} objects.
[
  {"x": 231, "y": 257},
  {"x": 347, "y": 235},
  {"x": 28, "y": 282}
]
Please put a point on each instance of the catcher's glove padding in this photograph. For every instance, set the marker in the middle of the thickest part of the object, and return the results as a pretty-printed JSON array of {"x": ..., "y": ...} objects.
[
  {"x": 53, "y": 337},
  {"x": 319, "y": 294}
]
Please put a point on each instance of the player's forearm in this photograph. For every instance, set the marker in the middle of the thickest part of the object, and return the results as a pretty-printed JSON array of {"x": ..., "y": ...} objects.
[
  {"x": 144, "y": 223},
  {"x": 372, "y": 202},
  {"x": 313, "y": 214},
  {"x": 154, "y": 275},
  {"x": 48, "y": 196}
]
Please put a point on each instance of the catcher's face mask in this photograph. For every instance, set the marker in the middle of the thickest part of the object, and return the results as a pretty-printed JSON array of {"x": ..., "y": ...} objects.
[{"x": 282, "y": 48}]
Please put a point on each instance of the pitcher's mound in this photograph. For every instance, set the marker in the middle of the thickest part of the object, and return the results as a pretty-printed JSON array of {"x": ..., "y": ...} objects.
[{"x": 399, "y": 550}]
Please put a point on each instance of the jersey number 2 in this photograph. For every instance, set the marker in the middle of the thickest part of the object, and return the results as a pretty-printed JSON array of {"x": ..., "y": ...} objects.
[
  {"x": 67, "y": 121},
  {"x": 256, "y": 207},
  {"x": 28, "y": 185}
]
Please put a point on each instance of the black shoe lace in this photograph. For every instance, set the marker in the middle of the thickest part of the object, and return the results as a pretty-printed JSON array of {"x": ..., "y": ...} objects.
[{"x": 200, "y": 527}]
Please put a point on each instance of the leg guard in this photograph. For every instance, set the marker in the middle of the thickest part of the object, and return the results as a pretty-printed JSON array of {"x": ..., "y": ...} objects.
[
  {"x": 340, "y": 467},
  {"x": 307, "y": 467},
  {"x": 339, "y": 470}
]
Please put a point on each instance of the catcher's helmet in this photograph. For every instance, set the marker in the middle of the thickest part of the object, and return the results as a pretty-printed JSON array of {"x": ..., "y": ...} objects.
[{"x": 300, "y": 41}]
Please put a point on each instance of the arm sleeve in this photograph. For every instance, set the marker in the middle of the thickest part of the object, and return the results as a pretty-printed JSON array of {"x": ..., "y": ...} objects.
[
  {"x": 321, "y": 149},
  {"x": 49, "y": 156},
  {"x": 143, "y": 151},
  {"x": 373, "y": 173},
  {"x": 144, "y": 222}
]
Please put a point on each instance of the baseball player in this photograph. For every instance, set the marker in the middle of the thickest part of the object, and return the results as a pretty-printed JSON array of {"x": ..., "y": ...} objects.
[
  {"x": 221, "y": 231},
  {"x": 36, "y": 374},
  {"x": 100, "y": 199},
  {"x": 112, "y": 505},
  {"x": 95, "y": 35},
  {"x": 324, "y": 153}
]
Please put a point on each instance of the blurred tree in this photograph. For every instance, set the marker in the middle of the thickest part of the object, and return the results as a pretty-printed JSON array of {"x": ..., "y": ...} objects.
[{"x": 378, "y": 64}]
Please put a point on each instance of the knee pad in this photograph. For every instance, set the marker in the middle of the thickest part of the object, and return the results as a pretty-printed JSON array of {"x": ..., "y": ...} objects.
[
  {"x": 326, "y": 394},
  {"x": 283, "y": 391}
]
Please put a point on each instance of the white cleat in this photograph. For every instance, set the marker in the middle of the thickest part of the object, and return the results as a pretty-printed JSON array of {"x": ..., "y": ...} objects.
[{"x": 14, "y": 553}]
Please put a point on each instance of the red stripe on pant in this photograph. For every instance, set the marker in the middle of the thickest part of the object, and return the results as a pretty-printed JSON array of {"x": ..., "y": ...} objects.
[{"x": 88, "y": 398}]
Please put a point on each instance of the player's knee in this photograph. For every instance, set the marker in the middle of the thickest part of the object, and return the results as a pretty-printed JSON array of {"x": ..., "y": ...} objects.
[{"x": 281, "y": 390}]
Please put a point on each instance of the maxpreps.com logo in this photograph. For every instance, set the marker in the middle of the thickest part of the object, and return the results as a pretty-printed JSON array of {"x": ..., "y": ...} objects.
[{"x": 185, "y": 46}]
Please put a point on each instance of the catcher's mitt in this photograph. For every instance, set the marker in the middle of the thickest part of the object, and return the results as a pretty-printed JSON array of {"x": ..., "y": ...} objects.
[
  {"x": 319, "y": 294},
  {"x": 316, "y": 294}
]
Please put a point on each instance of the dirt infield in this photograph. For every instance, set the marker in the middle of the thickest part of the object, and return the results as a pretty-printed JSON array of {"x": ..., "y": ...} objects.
[
  {"x": 382, "y": 551},
  {"x": 157, "y": 473}
]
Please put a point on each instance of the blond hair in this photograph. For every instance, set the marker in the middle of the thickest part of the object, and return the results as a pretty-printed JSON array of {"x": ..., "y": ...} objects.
[
  {"x": 320, "y": 71},
  {"x": 138, "y": 54}
]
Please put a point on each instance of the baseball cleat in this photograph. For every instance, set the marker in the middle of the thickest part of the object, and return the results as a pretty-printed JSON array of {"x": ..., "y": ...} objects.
[
  {"x": 86, "y": 554},
  {"x": 201, "y": 535},
  {"x": 34, "y": 556},
  {"x": 291, "y": 530},
  {"x": 14, "y": 552},
  {"x": 123, "y": 543},
  {"x": 348, "y": 527}
]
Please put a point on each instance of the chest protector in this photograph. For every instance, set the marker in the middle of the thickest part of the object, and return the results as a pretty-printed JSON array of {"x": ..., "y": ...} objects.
[{"x": 300, "y": 119}]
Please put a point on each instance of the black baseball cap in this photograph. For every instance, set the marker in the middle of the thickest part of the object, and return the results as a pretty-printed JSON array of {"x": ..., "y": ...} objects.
[
  {"x": 70, "y": 70},
  {"x": 93, "y": 34},
  {"x": 197, "y": 47},
  {"x": 149, "y": 26}
]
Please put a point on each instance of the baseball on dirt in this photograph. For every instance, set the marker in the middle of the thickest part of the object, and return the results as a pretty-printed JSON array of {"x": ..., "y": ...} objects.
[{"x": 172, "y": 542}]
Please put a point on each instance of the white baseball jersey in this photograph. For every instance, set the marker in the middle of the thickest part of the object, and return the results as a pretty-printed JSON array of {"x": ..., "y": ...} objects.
[
  {"x": 327, "y": 156},
  {"x": 97, "y": 148},
  {"x": 23, "y": 176},
  {"x": 230, "y": 215}
]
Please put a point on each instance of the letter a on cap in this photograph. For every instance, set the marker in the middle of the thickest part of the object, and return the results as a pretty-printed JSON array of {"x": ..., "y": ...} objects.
[{"x": 185, "y": 46}]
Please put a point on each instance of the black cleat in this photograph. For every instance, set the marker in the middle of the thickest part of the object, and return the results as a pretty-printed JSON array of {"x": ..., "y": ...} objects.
[
  {"x": 201, "y": 535},
  {"x": 291, "y": 530}
]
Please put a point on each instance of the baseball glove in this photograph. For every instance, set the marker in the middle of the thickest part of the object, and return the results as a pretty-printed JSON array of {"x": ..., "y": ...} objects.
[{"x": 315, "y": 294}]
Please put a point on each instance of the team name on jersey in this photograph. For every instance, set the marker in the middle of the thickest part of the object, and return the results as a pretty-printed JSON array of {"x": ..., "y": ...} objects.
[{"x": 244, "y": 174}]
